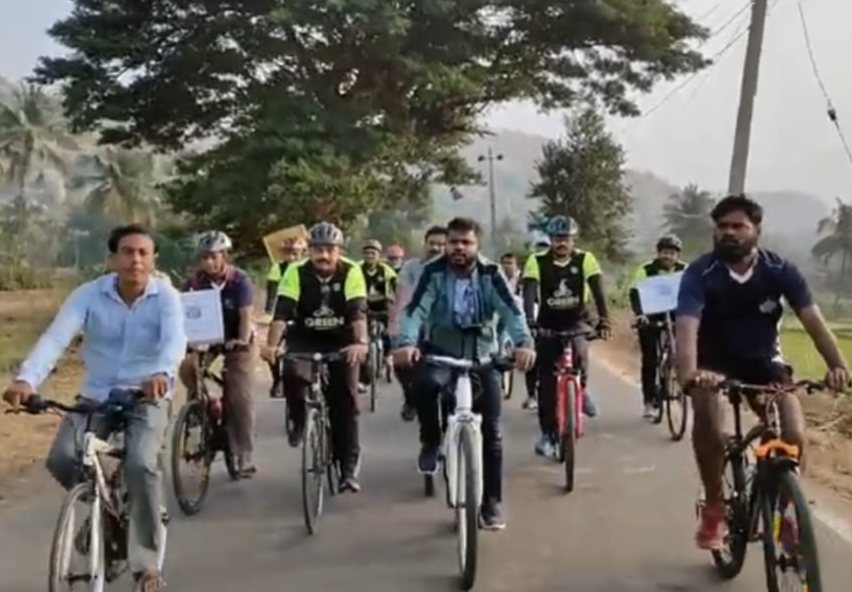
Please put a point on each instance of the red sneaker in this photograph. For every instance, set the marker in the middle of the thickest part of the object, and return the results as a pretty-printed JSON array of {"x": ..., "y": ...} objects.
[{"x": 711, "y": 528}]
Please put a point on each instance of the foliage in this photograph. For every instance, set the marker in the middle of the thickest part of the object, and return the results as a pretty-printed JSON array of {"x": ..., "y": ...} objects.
[
  {"x": 581, "y": 175},
  {"x": 325, "y": 108},
  {"x": 836, "y": 242},
  {"x": 687, "y": 214}
]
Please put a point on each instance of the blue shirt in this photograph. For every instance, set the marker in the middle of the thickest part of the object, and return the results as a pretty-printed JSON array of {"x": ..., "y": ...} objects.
[
  {"x": 740, "y": 315},
  {"x": 122, "y": 344}
]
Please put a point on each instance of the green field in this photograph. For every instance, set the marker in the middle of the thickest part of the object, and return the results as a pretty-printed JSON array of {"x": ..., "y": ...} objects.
[{"x": 801, "y": 353}]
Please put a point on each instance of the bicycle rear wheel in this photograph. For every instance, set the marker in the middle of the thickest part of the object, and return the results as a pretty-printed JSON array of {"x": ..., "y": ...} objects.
[
  {"x": 568, "y": 437},
  {"x": 86, "y": 538},
  {"x": 467, "y": 510},
  {"x": 729, "y": 560},
  {"x": 789, "y": 546},
  {"x": 191, "y": 417},
  {"x": 313, "y": 472}
]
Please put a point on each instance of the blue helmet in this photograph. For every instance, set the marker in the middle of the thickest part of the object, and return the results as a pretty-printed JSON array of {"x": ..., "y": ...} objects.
[{"x": 562, "y": 226}]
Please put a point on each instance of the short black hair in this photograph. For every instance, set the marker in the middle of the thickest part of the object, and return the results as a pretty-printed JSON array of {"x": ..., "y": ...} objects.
[
  {"x": 508, "y": 255},
  {"x": 120, "y": 232},
  {"x": 465, "y": 225},
  {"x": 738, "y": 203},
  {"x": 433, "y": 230}
]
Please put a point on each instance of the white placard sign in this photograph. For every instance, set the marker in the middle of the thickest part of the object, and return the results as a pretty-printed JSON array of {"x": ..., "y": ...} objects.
[
  {"x": 202, "y": 310},
  {"x": 658, "y": 294}
]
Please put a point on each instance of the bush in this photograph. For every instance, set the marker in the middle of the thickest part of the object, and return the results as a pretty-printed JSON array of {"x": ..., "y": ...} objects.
[{"x": 20, "y": 276}]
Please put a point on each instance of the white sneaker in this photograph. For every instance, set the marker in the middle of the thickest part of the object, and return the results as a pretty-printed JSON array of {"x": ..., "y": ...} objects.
[{"x": 648, "y": 413}]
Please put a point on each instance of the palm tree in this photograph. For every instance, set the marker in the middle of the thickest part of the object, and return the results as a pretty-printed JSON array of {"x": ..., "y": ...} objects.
[
  {"x": 835, "y": 232},
  {"x": 123, "y": 184},
  {"x": 687, "y": 213},
  {"x": 33, "y": 138}
]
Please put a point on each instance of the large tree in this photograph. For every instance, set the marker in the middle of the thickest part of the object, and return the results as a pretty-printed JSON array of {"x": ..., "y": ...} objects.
[
  {"x": 582, "y": 176},
  {"x": 835, "y": 245},
  {"x": 687, "y": 214},
  {"x": 370, "y": 87}
]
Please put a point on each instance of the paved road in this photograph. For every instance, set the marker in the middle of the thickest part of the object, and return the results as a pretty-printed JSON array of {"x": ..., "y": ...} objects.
[{"x": 628, "y": 526}]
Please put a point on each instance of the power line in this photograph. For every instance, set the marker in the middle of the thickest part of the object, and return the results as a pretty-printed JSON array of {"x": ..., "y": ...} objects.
[{"x": 830, "y": 110}]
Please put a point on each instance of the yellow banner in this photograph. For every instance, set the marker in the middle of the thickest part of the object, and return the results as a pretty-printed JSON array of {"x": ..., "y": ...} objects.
[{"x": 273, "y": 241}]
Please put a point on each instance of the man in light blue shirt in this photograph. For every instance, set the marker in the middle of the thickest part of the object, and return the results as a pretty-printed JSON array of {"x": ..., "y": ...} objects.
[{"x": 133, "y": 337}]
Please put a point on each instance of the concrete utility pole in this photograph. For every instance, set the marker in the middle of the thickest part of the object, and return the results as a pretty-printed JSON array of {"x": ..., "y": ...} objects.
[
  {"x": 748, "y": 91},
  {"x": 492, "y": 197}
]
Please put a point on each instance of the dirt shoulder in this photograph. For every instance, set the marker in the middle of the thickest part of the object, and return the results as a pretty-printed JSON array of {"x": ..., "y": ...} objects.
[{"x": 829, "y": 430}]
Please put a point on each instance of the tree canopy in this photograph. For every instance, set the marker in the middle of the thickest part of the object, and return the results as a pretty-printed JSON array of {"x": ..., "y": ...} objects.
[
  {"x": 581, "y": 175},
  {"x": 687, "y": 214}
]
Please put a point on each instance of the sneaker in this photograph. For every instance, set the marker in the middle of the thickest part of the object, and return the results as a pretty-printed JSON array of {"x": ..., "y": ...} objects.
[
  {"x": 544, "y": 447},
  {"x": 350, "y": 483},
  {"x": 648, "y": 411},
  {"x": 712, "y": 529},
  {"x": 490, "y": 518},
  {"x": 427, "y": 462},
  {"x": 362, "y": 388},
  {"x": 530, "y": 403},
  {"x": 590, "y": 407},
  {"x": 408, "y": 413},
  {"x": 295, "y": 435}
]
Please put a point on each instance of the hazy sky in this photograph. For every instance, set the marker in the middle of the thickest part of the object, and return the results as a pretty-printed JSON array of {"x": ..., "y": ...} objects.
[{"x": 690, "y": 136}]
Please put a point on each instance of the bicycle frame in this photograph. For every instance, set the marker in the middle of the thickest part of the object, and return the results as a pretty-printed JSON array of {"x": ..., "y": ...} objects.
[{"x": 567, "y": 374}]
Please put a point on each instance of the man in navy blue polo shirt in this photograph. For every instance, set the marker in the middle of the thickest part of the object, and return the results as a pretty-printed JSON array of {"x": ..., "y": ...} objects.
[
  {"x": 728, "y": 316},
  {"x": 237, "y": 294}
]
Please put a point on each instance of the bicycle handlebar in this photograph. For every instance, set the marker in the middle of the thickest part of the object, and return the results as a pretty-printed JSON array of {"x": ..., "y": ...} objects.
[
  {"x": 589, "y": 334},
  {"x": 498, "y": 363},
  {"x": 118, "y": 400},
  {"x": 734, "y": 387},
  {"x": 314, "y": 357}
]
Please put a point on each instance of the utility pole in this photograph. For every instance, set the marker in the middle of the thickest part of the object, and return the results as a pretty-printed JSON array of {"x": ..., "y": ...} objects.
[
  {"x": 748, "y": 91},
  {"x": 492, "y": 197}
]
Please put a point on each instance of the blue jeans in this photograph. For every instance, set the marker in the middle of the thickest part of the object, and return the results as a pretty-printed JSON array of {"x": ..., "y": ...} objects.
[{"x": 430, "y": 382}]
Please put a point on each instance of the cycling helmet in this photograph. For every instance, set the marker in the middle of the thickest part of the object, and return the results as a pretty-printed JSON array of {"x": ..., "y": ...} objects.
[
  {"x": 372, "y": 244},
  {"x": 669, "y": 241},
  {"x": 395, "y": 252},
  {"x": 325, "y": 233},
  {"x": 213, "y": 241},
  {"x": 562, "y": 226}
]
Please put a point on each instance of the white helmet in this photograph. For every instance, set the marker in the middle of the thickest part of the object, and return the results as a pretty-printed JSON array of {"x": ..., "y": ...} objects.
[
  {"x": 538, "y": 240},
  {"x": 213, "y": 241}
]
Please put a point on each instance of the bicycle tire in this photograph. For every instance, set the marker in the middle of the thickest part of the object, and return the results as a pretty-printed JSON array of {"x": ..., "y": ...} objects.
[
  {"x": 66, "y": 513},
  {"x": 677, "y": 429},
  {"x": 332, "y": 468},
  {"x": 429, "y": 485},
  {"x": 467, "y": 511},
  {"x": 188, "y": 411},
  {"x": 786, "y": 483},
  {"x": 660, "y": 394},
  {"x": 312, "y": 476},
  {"x": 568, "y": 437},
  {"x": 729, "y": 562}
]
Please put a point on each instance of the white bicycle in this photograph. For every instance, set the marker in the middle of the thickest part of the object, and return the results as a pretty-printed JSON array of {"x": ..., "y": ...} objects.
[
  {"x": 461, "y": 451},
  {"x": 101, "y": 539}
]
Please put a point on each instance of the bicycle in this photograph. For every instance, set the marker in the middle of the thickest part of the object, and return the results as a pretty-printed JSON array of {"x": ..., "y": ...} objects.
[
  {"x": 318, "y": 462},
  {"x": 102, "y": 537},
  {"x": 669, "y": 398},
  {"x": 752, "y": 503},
  {"x": 208, "y": 415},
  {"x": 376, "y": 356},
  {"x": 462, "y": 457},
  {"x": 569, "y": 393}
]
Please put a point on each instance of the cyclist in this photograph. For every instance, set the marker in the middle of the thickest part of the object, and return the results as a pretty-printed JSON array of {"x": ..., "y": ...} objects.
[
  {"x": 292, "y": 249},
  {"x": 458, "y": 297},
  {"x": 728, "y": 314},
  {"x": 395, "y": 256},
  {"x": 134, "y": 337},
  {"x": 509, "y": 266},
  {"x": 215, "y": 272},
  {"x": 381, "y": 282},
  {"x": 540, "y": 245},
  {"x": 325, "y": 297},
  {"x": 434, "y": 242},
  {"x": 667, "y": 261},
  {"x": 563, "y": 279}
]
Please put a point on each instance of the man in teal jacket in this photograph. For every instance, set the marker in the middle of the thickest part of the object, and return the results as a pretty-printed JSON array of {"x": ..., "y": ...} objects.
[{"x": 461, "y": 297}]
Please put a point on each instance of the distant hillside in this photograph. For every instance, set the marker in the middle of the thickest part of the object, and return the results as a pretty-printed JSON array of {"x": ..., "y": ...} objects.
[{"x": 791, "y": 215}]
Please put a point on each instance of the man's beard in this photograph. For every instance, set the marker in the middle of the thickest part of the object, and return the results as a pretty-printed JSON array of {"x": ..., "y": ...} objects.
[
  {"x": 733, "y": 251},
  {"x": 466, "y": 264}
]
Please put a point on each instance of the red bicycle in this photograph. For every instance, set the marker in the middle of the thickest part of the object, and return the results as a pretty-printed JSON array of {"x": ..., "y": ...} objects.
[{"x": 569, "y": 397}]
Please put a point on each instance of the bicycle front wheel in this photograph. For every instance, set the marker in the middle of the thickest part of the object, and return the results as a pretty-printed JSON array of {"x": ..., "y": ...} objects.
[
  {"x": 568, "y": 437},
  {"x": 790, "y": 552},
  {"x": 85, "y": 538},
  {"x": 313, "y": 472},
  {"x": 467, "y": 509},
  {"x": 735, "y": 490},
  {"x": 190, "y": 443}
]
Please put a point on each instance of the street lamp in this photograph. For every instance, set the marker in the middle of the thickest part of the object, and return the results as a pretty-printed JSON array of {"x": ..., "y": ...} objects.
[{"x": 492, "y": 197}]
